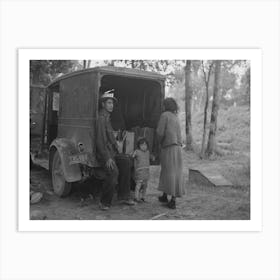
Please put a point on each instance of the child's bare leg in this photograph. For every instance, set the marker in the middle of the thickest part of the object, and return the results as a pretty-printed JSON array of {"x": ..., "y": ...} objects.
[
  {"x": 144, "y": 189},
  {"x": 137, "y": 190}
]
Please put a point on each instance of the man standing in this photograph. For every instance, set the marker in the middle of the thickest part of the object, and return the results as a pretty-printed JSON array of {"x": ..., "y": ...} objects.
[{"x": 107, "y": 154}]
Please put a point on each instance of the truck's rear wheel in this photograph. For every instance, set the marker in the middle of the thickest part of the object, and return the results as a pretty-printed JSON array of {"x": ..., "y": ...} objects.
[{"x": 60, "y": 186}]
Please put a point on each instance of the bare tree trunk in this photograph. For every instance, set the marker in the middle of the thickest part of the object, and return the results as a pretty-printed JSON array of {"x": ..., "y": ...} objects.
[
  {"x": 188, "y": 103},
  {"x": 193, "y": 106},
  {"x": 205, "y": 120},
  {"x": 200, "y": 102},
  {"x": 133, "y": 64},
  {"x": 215, "y": 108},
  {"x": 88, "y": 63},
  {"x": 34, "y": 74},
  {"x": 36, "y": 77},
  {"x": 84, "y": 64},
  {"x": 206, "y": 80},
  {"x": 142, "y": 65}
]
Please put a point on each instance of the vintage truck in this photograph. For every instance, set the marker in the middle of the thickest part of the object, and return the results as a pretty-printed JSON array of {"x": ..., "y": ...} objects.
[{"x": 66, "y": 143}]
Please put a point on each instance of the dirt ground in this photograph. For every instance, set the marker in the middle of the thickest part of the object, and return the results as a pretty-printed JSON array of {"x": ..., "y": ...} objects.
[{"x": 200, "y": 202}]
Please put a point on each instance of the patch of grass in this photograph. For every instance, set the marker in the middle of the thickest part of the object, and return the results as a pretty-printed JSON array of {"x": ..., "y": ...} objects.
[
  {"x": 236, "y": 171},
  {"x": 233, "y": 131}
]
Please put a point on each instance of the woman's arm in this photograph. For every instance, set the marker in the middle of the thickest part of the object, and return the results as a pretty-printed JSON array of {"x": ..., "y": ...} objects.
[{"x": 161, "y": 127}]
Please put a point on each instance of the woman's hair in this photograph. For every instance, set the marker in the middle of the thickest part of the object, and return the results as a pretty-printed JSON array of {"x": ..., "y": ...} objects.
[
  {"x": 170, "y": 105},
  {"x": 141, "y": 141}
]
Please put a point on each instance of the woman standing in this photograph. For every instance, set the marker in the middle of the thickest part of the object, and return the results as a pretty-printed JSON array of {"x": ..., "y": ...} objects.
[{"x": 169, "y": 134}]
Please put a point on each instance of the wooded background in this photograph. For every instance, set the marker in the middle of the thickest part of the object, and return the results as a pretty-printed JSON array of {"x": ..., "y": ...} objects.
[{"x": 213, "y": 96}]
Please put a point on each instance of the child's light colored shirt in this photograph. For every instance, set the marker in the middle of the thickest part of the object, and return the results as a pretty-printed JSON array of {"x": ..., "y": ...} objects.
[{"x": 141, "y": 164}]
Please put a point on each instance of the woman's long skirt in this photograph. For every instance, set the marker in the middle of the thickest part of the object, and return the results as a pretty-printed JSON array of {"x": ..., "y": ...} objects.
[{"x": 171, "y": 179}]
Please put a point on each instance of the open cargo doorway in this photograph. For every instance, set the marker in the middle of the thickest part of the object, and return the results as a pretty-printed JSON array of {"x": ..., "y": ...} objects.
[{"x": 138, "y": 108}]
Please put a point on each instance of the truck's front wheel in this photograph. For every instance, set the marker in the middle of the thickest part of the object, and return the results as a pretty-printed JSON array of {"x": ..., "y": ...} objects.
[{"x": 60, "y": 186}]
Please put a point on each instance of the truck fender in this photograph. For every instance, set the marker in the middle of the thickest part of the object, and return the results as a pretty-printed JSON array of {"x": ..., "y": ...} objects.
[{"x": 65, "y": 147}]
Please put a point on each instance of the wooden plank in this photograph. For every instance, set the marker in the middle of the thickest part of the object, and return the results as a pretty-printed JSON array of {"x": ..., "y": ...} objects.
[{"x": 207, "y": 176}]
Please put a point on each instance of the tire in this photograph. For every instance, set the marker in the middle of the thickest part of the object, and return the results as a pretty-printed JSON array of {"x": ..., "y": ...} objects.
[{"x": 60, "y": 187}]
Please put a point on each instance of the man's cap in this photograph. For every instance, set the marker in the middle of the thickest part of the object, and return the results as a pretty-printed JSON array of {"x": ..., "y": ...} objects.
[{"x": 109, "y": 94}]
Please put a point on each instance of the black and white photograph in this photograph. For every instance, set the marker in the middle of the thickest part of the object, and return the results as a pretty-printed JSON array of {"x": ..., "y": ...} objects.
[{"x": 140, "y": 139}]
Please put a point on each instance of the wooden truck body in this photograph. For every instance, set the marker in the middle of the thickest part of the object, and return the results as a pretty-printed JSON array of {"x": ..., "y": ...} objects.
[{"x": 67, "y": 141}]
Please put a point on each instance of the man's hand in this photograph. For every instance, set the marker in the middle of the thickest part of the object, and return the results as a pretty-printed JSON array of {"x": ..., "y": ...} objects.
[{"x": 110, "y": 164}]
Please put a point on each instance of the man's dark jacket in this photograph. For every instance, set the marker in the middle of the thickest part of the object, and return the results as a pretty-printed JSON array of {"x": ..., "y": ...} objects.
[{"x": 106, "y": 145}]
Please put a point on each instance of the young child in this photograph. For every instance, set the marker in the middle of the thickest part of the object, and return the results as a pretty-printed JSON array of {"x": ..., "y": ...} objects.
[{"x": 142, "y": 169}]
